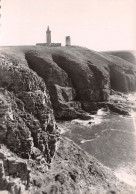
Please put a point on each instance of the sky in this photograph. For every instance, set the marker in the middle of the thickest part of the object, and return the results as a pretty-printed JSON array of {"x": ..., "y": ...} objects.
[{"x": 96, "y": 24}]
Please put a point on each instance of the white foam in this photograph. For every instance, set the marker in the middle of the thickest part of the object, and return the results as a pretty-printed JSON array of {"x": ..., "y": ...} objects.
[
  {"x": 96, "y": 119},
  {"x": 84, "y": 140},
  {"x": 132, "y": 97},
  {"x": 82, "y": 122},
  {"x": 133, "y": 114},
  {"x": 101, "y": 112}
]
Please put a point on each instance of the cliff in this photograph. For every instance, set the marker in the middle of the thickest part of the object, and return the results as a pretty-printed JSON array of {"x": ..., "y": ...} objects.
[
  {"x": 33, "y": 156},
  {"x": 78, "y": 79}
]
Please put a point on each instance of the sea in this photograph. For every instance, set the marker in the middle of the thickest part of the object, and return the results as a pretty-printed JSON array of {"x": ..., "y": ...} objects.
[{"x": 110, "y": 138}]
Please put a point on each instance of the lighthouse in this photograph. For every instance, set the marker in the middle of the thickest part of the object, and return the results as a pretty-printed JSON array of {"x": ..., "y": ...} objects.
[
  {"x": 48, "y": 36},
  {"x": 48, "y": 40}
]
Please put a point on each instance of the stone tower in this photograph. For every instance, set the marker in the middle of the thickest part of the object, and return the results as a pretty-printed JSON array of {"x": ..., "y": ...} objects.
[
  {"x": 68, "y": 41},
  {"x": 48, "y": 36}
]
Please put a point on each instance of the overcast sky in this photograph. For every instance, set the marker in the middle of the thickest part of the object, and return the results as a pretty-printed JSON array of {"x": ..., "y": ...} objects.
[{"x": 95, "y": 24}]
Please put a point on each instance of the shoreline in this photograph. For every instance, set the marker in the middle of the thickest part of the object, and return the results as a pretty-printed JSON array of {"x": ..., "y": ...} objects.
[{"x": 125, "y": 171}]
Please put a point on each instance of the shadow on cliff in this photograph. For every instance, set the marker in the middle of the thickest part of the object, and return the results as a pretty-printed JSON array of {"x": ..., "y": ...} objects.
[
  {"x": 33, "y": 156},
  {"x": 77, "y": 77}
]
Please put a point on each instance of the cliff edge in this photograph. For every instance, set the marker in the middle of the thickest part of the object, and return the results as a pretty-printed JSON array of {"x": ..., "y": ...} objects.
[
  {"x": 35, "y": 85},
  {"x": 79, "y": 80}
]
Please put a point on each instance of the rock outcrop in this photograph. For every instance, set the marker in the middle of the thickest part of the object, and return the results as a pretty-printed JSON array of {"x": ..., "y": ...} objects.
[
  {"x": 27, "y": 119},
  {"x": 77, "y": 77},
  {"x": 14, "y": 172},
  {"x": 79, "y": 173},
  {"x": 71, "y": 171},
  {"x": 33, "y": 157}
]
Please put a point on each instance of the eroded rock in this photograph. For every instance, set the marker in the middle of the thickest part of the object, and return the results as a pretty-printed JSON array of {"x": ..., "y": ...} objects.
[
  {"x": 26, "y": 112},
  {"x": 37, "y": 159}
]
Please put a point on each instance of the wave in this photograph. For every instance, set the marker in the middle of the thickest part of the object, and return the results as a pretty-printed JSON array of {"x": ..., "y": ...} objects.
[
  {"x": 131, "y": 97},
  {"x": 102, "y": 112},
  {"x": 86, "y": 140},
  {"x": 97, "y": 119}
]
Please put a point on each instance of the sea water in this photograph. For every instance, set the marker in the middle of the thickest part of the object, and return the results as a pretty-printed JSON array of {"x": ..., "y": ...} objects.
[{"x": 109, "y": 137}]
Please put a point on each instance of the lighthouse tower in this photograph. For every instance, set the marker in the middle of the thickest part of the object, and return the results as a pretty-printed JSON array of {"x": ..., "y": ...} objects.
[
  {"x": 48, "y": 36},
  {"x": 48, "y": 40}
]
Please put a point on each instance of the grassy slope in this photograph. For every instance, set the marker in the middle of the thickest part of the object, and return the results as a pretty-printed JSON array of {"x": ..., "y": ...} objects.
[
  {"x": 77, "y": 62},
  {"x": 74, "y": 52},
  {"x": 129, "y": 56}
]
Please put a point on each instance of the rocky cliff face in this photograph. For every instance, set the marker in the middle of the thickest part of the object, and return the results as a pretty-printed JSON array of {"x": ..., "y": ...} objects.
[
  {"x": 27, "y": 119},
  {"x": 71, "y": 171},
  {"x": 33, "y": 157},
  {"x": 27, "y": 125},
  {"x": 77, "y": 77}
]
